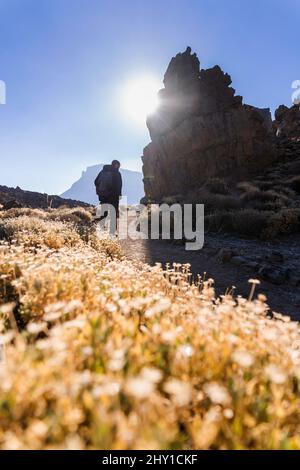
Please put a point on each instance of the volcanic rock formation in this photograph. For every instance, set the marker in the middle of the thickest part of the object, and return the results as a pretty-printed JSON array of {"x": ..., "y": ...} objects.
[
  {"x": 201, "y": 130},
  {"x": 287, "y": 122}
]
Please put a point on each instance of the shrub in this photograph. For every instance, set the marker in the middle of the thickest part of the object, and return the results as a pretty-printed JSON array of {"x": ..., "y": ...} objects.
[
  {"x": 245, "y": 222},
  {"x": 217, "y": 186},
  {"x": 218, "y": 202},
  {"x": 172, "y": 199},
  {"x": 75, "y": 215},
  {"x": 264, "y": 185},
  {"x": 25, "y": 211},
  {"x": 263, "y": 196},
  {"x": 247, "y": 187},
  {"x": 289, "y": 193},
  {"x": 37, "y": 232},
  {"x": 285, "y": 222},
  {"x": 294, "y": 184}
]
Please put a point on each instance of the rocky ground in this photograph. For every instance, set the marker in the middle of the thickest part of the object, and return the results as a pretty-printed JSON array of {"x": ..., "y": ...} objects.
[{"x": 232, "y": 261}]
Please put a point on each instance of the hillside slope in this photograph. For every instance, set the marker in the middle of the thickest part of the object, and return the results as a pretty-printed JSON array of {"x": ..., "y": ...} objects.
[{"x": 17, "y": 197}]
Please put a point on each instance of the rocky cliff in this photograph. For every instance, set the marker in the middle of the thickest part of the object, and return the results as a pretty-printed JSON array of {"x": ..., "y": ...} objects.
[
  {"x": 202, "y": 130},
  {"x": 287, "y": 122}
]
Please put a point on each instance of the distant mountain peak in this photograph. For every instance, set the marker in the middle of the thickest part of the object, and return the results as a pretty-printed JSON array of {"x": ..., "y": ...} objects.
[{"x": 84, "y": 189}]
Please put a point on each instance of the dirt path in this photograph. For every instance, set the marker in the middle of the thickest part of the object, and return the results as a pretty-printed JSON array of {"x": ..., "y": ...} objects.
[{"x": 281, "y": 298}]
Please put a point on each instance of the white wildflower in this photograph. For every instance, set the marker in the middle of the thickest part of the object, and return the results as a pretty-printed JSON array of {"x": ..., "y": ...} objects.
[
  {"x": 139, "y": 387},
  {"x": 87, "y": 351},
  {"x": 161, "y": 306},
  {"x": 186, "y": 350},
  {"x": 7, "y": 337},
  {"x": 35, "y": 328},
  {"x": 109, "y": 389},
  {"x": 270, "y": 334},
  {"x": 276, "y": 374},
  {"x": 217, "y": 393},
  {"x": 181, "y": 391},
  {"x": 117, "y": 360},
  {"x": 74, "y": 324},
  {"x": 151, "y": 374},
  {"x": 39, "y": 429},
  {"x": 233, "y": 339},
  {"x": 243, "y": 358},
  {"x": 228, "y": 413}
]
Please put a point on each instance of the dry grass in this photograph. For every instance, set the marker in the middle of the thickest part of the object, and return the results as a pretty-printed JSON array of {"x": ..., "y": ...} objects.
[
  {"x": 117, "y": 355},
  {"x": 265, "y": 207},
  {"x": 217, "y": 186},
  {"x": 245, "y": 222},
  {"x": 36, "y": 232},
  {"x": 19, "y": 212},
  {"x": 75, "y": 215},
  {"x": 218, "y": 202},
  {"x": 253, "y": 223},
  {"x": 283, "y": 223}
]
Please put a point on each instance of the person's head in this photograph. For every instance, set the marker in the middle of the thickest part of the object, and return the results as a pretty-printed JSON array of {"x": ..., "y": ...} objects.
[{"x": 116, "y": 164}]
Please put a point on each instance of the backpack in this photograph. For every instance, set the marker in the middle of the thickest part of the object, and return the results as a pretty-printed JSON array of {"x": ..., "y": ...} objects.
[{"x": 104, "y": 183}]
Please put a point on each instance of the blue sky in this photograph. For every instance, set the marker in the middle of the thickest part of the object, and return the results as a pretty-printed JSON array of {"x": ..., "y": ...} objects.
[{"x": 65, "y": 61}]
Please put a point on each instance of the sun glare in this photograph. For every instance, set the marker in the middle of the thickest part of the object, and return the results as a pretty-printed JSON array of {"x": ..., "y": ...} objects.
[{"x": 139, "y": 98}]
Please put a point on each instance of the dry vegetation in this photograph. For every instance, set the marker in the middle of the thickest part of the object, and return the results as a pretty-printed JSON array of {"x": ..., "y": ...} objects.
[
  {"x": 104, "y": 353},
  {"x": 266, "y": 207}
]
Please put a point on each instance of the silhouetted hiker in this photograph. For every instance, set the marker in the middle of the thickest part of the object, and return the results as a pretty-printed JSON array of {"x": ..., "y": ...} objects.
[{"x": 109, "y": 186}]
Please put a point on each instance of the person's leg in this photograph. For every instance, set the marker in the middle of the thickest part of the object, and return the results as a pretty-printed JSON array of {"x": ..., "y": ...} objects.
[
  {"x": 100, "y": 218},
  {"x": 116, "y": 209},
  {"x": 115, "y": 203}
]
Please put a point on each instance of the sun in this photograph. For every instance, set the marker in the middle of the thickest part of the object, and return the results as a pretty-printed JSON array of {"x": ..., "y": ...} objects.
[{"x": 139, "y": 98}]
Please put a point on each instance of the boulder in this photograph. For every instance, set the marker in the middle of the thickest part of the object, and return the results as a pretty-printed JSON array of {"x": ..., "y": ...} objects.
[
  {"x": 225, "y": 255},
  {"x": 238, "y": 260},
  {"x": 273, "y": 275}
]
